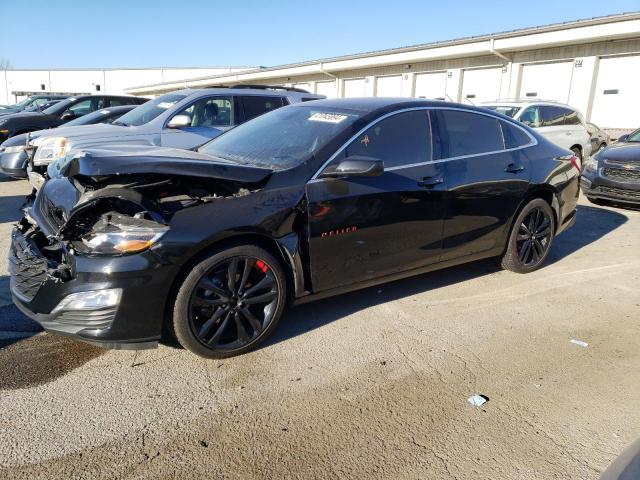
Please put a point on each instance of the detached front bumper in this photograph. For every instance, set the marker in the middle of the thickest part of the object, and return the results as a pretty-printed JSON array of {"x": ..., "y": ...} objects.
[
  {"x": 40, "y": 282},
  {"x": 612, "y": 184}
]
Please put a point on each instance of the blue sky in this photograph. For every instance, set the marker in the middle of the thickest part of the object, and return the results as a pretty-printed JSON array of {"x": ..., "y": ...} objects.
[{"x": 152, "y": 33}]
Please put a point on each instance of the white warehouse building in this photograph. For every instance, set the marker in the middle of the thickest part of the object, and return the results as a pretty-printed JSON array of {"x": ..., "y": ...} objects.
[
  {"x": 15, "y": 85},
  {"x": 592, "y": 65}
]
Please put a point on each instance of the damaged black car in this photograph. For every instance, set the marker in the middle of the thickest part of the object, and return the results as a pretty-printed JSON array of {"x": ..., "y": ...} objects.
[{"x": 307, "y": 201}]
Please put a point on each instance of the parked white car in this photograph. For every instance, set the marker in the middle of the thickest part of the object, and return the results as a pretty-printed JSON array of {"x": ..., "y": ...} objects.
[{"x": 559, "y": 123}]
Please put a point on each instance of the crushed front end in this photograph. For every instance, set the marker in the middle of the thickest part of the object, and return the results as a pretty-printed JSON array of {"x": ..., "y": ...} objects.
[
  {"x": 95, "y": 256},
  {"x": 95, "y": 299}
]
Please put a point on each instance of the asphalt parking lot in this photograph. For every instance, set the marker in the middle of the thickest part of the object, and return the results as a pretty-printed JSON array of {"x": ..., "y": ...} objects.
[{"x": 372, "y": 384}]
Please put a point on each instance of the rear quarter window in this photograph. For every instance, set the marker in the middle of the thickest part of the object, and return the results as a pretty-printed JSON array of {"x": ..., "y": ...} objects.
[{"x": 514, "y": 137}]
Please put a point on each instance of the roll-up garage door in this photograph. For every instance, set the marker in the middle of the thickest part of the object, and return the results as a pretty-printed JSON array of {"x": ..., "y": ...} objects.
[
  {"x": 547, "y": 81},
  {"x": 389, "y": 86},
  {"x": 617, "y": 97},
  {"x": 481, "y": 85},
  {"x": 355, "y": 87},
  {"x": 431, "y": 85},
  {"x": 328, "y": 89}
]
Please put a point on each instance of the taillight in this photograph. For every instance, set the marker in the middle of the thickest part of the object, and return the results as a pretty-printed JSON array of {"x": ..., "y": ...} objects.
[{"x": 575, "y": 161}]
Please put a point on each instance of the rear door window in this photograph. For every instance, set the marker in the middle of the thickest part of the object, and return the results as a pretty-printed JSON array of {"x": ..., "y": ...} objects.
[
  {"x": 552, "y": 116},
  {"x": 402, "y": 139},
  {"x": 460, "y": 133},
  {"x": 572, "y": 118},
  {"x": 255, "y": 105}
]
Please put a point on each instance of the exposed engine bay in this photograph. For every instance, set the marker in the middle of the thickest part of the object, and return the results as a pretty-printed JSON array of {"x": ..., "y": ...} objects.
[{"x": 113, "y": 215}]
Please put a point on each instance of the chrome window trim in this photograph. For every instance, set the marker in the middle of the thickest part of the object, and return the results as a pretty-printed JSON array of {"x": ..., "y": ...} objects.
[{"x": 532, "y": 143}]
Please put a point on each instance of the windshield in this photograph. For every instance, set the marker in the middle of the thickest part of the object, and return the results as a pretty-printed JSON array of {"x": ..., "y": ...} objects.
[
  {"x": 504, "y": 109},
  {"x": 149, "y": 110},
  {"x": 89, "y": 118},
  {"x": 23, "y": 104},
  {"x": 59, "y": 107},
  {"x": 633, "y": 137},
  {"x": 282, "y": 138}
]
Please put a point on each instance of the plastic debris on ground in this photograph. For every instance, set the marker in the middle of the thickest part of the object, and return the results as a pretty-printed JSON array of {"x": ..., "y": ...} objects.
[
  {"x": 579, "y": 343},
  {"x": 478, "y": 400}
]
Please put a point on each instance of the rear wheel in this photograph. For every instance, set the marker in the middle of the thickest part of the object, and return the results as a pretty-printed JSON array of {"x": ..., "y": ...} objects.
[
  {"x": 230, "y": 302},
  {"x": 530, "y": 239}
]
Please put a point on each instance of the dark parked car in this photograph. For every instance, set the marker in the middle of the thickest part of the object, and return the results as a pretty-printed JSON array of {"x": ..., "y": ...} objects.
[
  {"x": 613, "y": 174},
  {"x": 60, "y": 113},
  {"x": 599, "y": 138},
  {"x": 307, "y": 201},
  {"x": 34, "y": 102},
  {"x": 13, "y": 153}
]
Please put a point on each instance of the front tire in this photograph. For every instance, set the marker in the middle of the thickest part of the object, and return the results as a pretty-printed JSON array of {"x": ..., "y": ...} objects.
[
  {"x": 530, "y": 239},
  {"x": 230, "y": 302}
]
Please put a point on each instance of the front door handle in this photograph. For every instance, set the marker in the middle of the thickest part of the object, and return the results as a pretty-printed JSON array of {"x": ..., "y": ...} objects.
[
  {"x": 513, "y": 168},
  {"x": 428, "y": 182}
]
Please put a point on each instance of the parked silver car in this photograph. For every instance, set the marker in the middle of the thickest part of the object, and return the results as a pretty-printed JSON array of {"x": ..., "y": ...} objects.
[{"x": 182, "y": 119}]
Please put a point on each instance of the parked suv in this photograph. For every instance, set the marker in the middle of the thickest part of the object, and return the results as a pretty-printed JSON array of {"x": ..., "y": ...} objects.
[
  {"x": 60, "y": 113},
  {"x": 559, "y": 123},
  {"x": 182, "y": 119}
]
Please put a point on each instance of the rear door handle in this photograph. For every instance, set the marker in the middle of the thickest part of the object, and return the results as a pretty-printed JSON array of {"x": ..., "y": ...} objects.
[
  {"x": 428, "y": 182},
  {"x": 513, "y": 168}
]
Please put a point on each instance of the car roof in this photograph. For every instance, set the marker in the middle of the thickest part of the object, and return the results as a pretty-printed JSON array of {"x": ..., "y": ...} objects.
[
  {"x": 371, "y": 104},
  {"x": 526, "y": 103},
  {"x": 269, "y": 92}
]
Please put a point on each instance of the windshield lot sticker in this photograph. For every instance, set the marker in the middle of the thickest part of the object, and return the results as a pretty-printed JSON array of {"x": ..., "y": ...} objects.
[
  {"x": 165, "y": 104},
  {"x": 327, "y": 117}
]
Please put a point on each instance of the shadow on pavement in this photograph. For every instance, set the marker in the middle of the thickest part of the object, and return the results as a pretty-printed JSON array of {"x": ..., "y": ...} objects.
[{"x": 592, "y": 223}]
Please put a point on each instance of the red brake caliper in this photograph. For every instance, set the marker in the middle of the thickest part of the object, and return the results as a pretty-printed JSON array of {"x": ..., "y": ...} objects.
[{"x": 260, "y": 265}]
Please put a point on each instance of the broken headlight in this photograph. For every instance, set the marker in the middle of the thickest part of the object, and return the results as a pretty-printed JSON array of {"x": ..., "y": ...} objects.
[
  {"x": 49, "y": 149},
  {"x": 123, "y": 239}
]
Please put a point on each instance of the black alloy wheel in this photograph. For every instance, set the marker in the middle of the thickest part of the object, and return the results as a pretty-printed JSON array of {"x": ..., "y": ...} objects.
[
  {"x": 534, "y": 237},
  {"x": 230, "y": 302},
  {"x": 530, "y": 239}
]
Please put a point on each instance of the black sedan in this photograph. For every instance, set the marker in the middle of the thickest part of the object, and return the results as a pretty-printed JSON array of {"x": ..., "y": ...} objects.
[
  {"x": 60, "y": 113},
  {"x": 613, "y": 174},
  {"x": 13, "y": 152},
  {"x": 307, "y": 201}
]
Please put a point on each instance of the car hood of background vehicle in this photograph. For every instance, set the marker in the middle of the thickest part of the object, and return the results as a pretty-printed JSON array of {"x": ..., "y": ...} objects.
[
  {"x": 622, "y": 153},
  {"x": 137, "y": 159},
  {"x": 22, "y": 115}
]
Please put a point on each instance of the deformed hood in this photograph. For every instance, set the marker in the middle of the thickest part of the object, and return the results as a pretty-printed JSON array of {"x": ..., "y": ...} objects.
[{"x": 132, "y": 159}]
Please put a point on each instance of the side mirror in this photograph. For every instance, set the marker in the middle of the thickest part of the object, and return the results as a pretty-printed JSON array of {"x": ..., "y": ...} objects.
[
  {"x": 179, "y": 121},
  {"x": 66, "y": 116},
  {"x": 356, "y": 166},
  {"x": 623, "y": 138}
]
